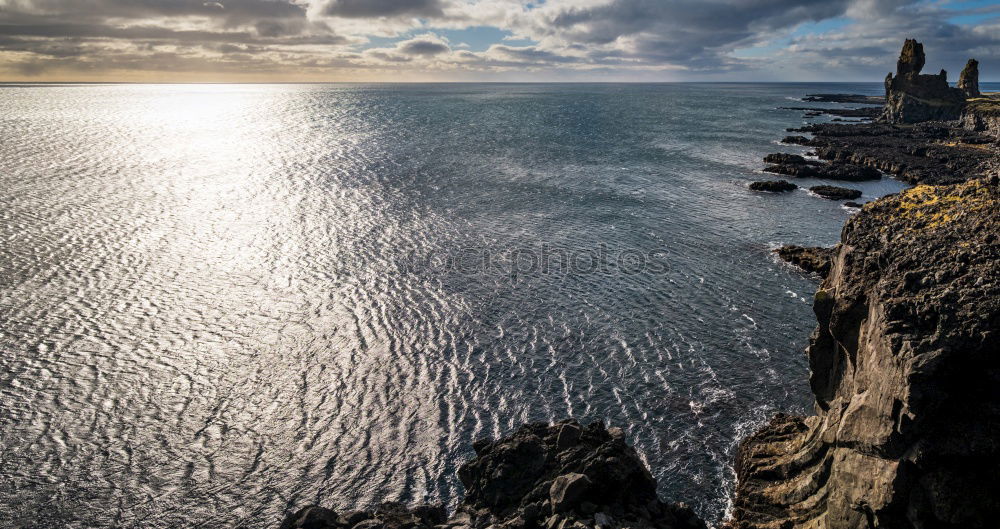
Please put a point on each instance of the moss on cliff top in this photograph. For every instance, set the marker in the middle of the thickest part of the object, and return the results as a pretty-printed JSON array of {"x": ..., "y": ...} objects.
[
  {"x": 930, "y": 207},
  {"x": 987, "y": 105}
]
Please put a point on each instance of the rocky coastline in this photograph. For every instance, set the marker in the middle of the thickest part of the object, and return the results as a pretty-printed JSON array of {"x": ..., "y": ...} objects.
[
  {"x": 906, "y": 357},
  {"x": 904, "y": 362}
]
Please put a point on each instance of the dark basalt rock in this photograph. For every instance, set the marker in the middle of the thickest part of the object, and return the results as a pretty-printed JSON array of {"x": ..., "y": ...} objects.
[
  {"x": 385, "y": 516},
  {"x": 773, "y": 186},
  {"x": 781, "y": 158},
  {"x": 912, "y": 97},
  {"x": 561, "y": 476},
  {"x": 931, "y": 152},
  {"x": 853, "y": 205},
  {"x": 843, "y": 98},
  {"x": 835, "y": 171},
  {"x": 863, "y": 112},
  {"x": 904, "y": 367},
  {"x": 795, "y": 140},
  {"x": 968, "y": 80},
  {"x": 836, "y": 193},
  {"x": 810, "y": 259}
]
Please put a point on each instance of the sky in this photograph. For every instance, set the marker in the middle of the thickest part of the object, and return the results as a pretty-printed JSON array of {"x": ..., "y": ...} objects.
[{"x": 487, "y": 40}]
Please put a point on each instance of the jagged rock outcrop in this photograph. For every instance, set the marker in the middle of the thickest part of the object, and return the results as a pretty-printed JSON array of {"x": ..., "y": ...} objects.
[
  {"x": 968, "y": 80},
  {"x": 560, "y": 476},
  {"x": 905, "y": 369},
  {"x": 809, "y": 258},
  {"x": 836, "y": 193},
  {"x": 799, "y": 167},
  {"x": 913, "y": 97},
  {"x": 773, "y": 186}
]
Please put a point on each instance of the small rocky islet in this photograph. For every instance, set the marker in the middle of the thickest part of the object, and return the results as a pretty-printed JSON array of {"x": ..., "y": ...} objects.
[{"x": 904, "y": 362}]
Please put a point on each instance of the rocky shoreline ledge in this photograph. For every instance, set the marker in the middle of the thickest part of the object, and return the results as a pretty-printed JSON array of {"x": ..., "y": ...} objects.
[
  {"x": 904, "y": 363},
  {"x": 560, "y": 476}
]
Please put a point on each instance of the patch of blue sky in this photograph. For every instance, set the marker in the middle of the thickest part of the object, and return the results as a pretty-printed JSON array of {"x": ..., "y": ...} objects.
[
  {"x": 971, "y": 12},
  {"x": 807, "y": 28}
]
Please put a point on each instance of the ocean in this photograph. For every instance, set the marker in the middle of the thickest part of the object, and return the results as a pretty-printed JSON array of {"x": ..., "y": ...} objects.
[{"x": 220, "y": 303}]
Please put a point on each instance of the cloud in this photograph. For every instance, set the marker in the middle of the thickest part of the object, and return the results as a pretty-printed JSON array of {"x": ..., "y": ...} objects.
[
  {"x": 677, "y": 39},
  {"x": 381, "y": 8},
  {"x": 426, "y": 45}
]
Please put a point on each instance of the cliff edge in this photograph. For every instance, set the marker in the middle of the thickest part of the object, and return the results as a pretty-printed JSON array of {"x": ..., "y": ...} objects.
[{"x": 905, "y": 369}]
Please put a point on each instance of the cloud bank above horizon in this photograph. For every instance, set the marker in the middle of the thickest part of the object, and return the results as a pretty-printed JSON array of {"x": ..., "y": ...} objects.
[{"x": 488, "y": 40}]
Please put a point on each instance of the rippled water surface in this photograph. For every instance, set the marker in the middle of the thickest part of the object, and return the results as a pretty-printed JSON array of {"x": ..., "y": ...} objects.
[{"x": 218, "y": 303}]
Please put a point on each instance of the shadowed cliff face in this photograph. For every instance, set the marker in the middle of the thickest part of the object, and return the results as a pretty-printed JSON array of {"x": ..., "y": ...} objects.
[{"x": 905, "y": 365}]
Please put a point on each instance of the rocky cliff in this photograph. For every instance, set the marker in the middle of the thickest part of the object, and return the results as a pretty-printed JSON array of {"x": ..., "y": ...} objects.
[
  {"x": 982, "y": 114},
  {"x": 905, "y": 368},
  {"x": 561, "y": 476},
  {"x": 968, "y": 80},
  {"x": 912, "y": 97}
]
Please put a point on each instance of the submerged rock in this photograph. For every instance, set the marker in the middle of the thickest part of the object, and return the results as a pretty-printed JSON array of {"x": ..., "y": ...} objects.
[
  {"x": 773, "y": 186},
  {"x": 811, "y": 259},
  {"x": 836, "y": 193},
  {"x": 904, "y": 367},
  {"x": 912, "y": 97},
  {"x": 559, "y": 476},
  {"x": 968, "y": 81}
]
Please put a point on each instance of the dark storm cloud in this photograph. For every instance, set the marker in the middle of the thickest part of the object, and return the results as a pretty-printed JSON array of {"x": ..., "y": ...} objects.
[
  {"x": 692, "y": 33},
  {"x": 424, "y": 47},
  {"x": 382, "y": 8}
]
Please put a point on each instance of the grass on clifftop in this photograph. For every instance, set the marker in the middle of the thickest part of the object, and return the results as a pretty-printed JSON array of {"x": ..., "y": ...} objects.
[
  {"x": 989, "y": 104},
  {"x": 930, "y": 207}
]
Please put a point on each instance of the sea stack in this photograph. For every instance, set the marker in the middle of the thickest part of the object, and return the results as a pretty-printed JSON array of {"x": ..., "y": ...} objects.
[
  {"x": 968, "y": 81},
  {"x": 912, "y": 97}
]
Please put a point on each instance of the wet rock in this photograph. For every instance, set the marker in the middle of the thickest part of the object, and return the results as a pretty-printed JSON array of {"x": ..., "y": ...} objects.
[
  {"x": 843, "y": 98},
  {"x": 836, "y": 193},
  {"x": 312, "y": 517},
  {"x": 904, "y": 366},
  {"x": 773, "y": 186},
  {"x": 968, "y": 80},
  {"x": 795, "y": 140},
  {"x": 567, "y": 490},
  {"x": 912, "y": 97},
  {"x": 353, "y": 518},
  {"x": 833, "y": 171},
  {"x": 569, "y": 435},
  {"x": 781, "y": 158},
  {"x": 810, "y": 259},
  {"x": 853, "y": 205}
]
